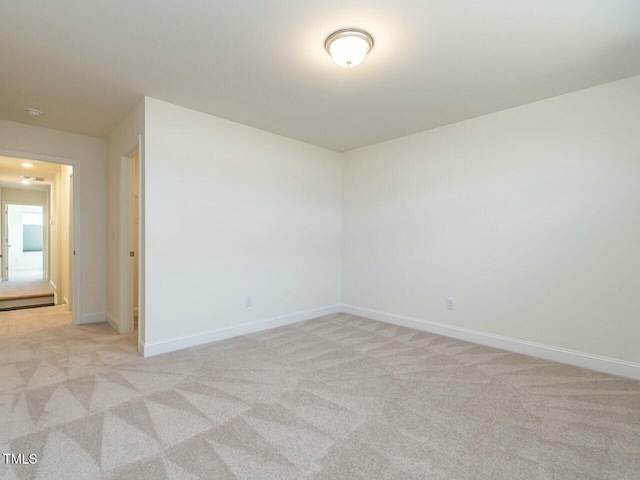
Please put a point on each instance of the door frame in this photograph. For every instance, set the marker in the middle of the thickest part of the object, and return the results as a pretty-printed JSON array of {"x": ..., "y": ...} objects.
[
  {"x": 126, "y": 220},
  {"x": 76, "y": 258},
  {"x": 45, "y": 235}
]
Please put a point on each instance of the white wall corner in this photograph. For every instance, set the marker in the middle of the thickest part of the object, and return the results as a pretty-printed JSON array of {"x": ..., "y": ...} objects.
[
  {"x": 111, "y": 320},
  {"x": 150, "y": 349},
  {"x": 561, "y": 355},
  {"x": 93, "y": 318}
]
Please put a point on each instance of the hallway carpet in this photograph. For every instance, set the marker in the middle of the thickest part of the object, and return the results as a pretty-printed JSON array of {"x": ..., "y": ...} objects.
[{"x": 338, "y": 397}]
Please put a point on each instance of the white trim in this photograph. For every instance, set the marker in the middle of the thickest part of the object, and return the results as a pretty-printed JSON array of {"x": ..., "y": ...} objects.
[
  {"x": 66, "y": 301},
  {"x": 141, "y": 241},
  {"x": 55, "y": 291},
  {"x": 93, "y": 318},
  {"x": 113, "y": 322},
  {"x": 125, "y": 245},
  {"x": 598, "y": 363},
  {"x": 150, "y": 349},
  {"x": 126, "y": 204}
]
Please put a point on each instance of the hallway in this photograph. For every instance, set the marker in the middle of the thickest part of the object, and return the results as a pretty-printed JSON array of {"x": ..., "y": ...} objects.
[
  {"x": 41, "y": 346},
  {"x": 36, "y": 227}
]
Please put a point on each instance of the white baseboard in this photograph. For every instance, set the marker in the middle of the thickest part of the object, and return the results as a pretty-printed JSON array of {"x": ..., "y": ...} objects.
[
  {"x": 65, "y": 300},
  {"x": 562, "y": 355},
  {"x": 111, "y": 320},
  {"x": 93, "y": 318},
  {"x": 150, "y": 349},
  {"x": 55, "y": 291}
]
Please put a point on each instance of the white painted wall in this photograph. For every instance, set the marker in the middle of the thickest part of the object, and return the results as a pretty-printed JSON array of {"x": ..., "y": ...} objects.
[
  {"x": 90, "y": 152},
  {"x": 232, "y": 211},
  {"x": 528, "y": 218}
]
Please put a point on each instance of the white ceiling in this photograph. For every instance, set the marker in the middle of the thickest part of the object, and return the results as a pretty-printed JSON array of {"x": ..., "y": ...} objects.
[
  {"x": 11, "y": 169},
  {"x": 262, "y": 62}
]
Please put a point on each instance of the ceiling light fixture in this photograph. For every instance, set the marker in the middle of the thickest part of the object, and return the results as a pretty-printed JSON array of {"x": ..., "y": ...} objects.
[
  {"x": 27, "y": 165},
  {"x": 26, "y": 182},
  {"x": 348, "y": 47},
  {"x": 33, "y": 112}
]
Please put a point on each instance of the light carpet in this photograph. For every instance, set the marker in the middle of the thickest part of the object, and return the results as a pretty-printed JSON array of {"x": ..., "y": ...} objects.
[{"x": 338, "y": 397}]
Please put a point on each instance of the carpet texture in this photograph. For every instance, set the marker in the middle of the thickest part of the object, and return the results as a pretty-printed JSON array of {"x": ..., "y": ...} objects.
[{"x": 338, "y": 397}]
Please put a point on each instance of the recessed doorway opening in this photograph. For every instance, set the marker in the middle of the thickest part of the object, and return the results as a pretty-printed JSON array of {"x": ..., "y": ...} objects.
[
  {"x": 25, "y": 242},
  {"x": 131, "y": 293},
  {"x": 37, "y": 235}
]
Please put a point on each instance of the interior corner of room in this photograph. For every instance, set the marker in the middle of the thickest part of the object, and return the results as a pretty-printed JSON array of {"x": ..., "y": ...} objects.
[
  {"x": 320, "y": 240},
  {"x": 492, "y": 200},
  {"x": 522, "y": 227},
  {"x": 530, "y": 233}
]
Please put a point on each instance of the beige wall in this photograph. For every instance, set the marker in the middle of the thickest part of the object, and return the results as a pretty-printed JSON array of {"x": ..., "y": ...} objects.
[
  {"x": 528, "y": 218},
  {"x": 90, "y": 154},
  {"x": 23, "y": 195}
]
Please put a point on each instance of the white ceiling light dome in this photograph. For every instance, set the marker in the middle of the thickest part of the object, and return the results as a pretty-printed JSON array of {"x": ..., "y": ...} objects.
[{"x": 349, "y": 47}]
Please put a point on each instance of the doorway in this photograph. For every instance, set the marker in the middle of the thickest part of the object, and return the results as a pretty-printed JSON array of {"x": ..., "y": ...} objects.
[
  {"x": 135, "y": 201},
  {"x": 25, "y": 242},
  {"x": 39, "y": 237},
  {"x": 131, "y": 238}
]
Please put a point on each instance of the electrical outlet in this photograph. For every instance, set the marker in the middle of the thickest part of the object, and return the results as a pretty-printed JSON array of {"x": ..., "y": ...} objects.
[
  {"x": 248, "y": 301},
  {"x": 449, "y": 303}
]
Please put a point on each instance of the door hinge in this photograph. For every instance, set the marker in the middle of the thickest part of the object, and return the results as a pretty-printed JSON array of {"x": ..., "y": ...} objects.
[{"x": 131, "y": 254}]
